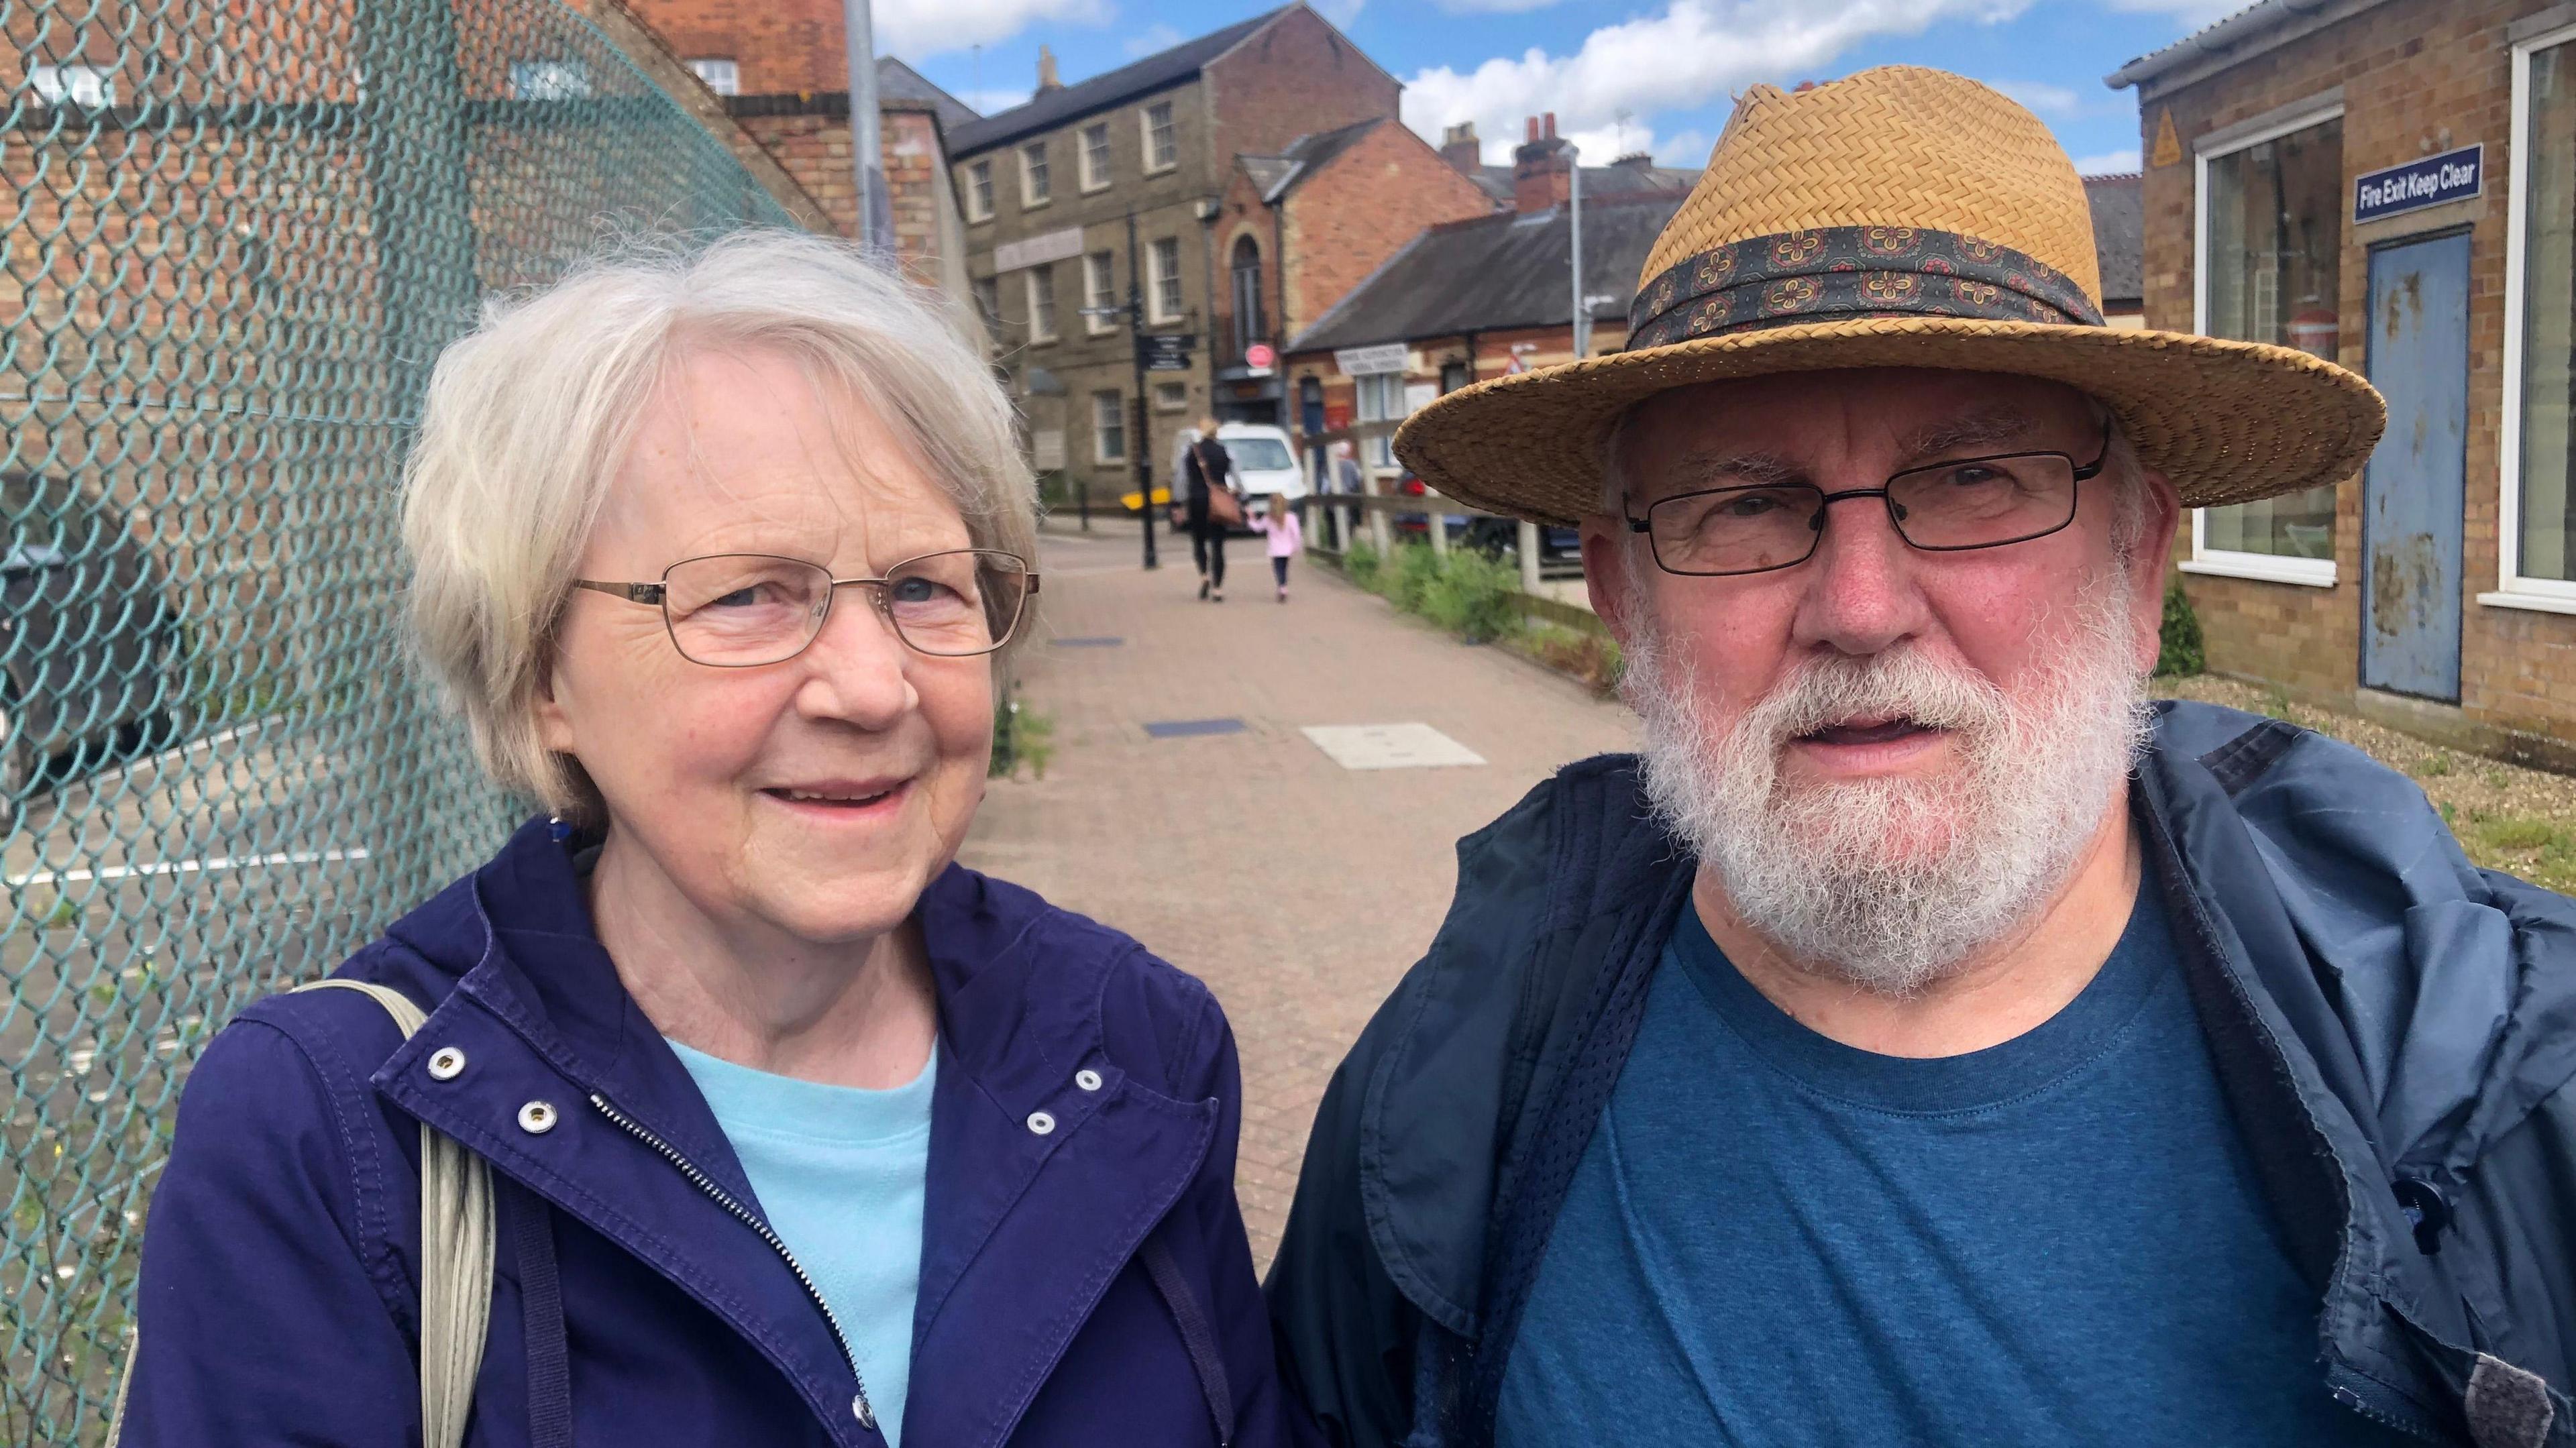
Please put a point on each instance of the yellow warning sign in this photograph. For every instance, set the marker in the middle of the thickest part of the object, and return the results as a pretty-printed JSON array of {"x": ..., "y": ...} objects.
[{"x": 2168, "y": 145}]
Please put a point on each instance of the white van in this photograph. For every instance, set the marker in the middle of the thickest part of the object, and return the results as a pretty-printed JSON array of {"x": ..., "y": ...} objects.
[{"x": 1265, "y": 462}]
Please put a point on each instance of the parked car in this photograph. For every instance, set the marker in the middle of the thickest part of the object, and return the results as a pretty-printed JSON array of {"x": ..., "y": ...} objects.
[
  {"x": 88, "y": 640},
  {"x": 1265, "y": 462},
  {"x": 1560, "y": 550}
]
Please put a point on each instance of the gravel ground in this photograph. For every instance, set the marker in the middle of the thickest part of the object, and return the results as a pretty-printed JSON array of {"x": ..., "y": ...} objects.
[{"x": 2507, "y": 817}]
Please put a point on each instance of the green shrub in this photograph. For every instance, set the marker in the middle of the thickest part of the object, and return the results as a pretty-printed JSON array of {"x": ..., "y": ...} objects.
[
  {"x": 2182, "y": 654},
  {"x": 1360, "y": 564},
  {"x": 2517, "y": 834},
  {"x": 1020, "y": 736},
  {"x": 1410, "y": 578},
  {"x": 1589, "y": 655},
  {"x": 1473, "y": 596}
]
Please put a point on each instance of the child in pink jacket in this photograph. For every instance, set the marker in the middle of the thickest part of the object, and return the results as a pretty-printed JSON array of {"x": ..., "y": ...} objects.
[{"x": 1287, "y": 536}]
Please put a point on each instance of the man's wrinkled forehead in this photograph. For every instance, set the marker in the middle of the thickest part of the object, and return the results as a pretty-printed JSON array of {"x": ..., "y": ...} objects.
[{"x": 1790, "y": 429}]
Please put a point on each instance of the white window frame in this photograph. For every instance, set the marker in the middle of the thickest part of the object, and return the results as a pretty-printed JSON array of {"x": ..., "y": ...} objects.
[
  {"x": 2230, "y": 562},
  {"x": 979, "y": 189},
  {"x": 92, "y": 87},
  {"x": 1093, "y": 180},
  {"x": 1099, "y": 434},
  {"x": 721, "y": 73},
  {"x": 1155, "y": 311},
  {"x": 2512, "y": 590},
  {"x": 1041, "y": 317},
  {"x": 1145, "y": 125},
  {"x": 1029, "y": 201},
  {"x": 1177, "y": 393},
  {"x": 1099, "y": 291}
]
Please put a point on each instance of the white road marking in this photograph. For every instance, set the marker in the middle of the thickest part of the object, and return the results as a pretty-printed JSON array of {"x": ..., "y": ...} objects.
[{"x": 181, "y": 867}]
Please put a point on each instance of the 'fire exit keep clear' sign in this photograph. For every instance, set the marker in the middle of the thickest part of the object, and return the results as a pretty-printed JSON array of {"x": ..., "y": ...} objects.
[{"x": 2451, "y": 176}]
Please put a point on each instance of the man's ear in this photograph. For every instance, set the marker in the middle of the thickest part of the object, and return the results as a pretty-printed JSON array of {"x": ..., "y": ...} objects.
[
  {"x": 2152, "y": 563},
  {"x": 1606, "y": 575}
]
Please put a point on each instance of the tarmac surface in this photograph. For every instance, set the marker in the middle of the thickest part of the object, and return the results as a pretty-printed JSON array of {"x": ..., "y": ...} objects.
[{"x": 1298, "y": 888}]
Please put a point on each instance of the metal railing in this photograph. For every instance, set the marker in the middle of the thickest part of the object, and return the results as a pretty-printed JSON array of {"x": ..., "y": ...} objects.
[{"x": 240, "y": 233}]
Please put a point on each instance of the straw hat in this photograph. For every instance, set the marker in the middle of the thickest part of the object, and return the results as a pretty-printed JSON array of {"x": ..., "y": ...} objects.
[{"x": 1901, "y": 217}]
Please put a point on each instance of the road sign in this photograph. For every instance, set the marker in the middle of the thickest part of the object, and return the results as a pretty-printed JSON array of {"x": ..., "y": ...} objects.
[
  {"x": 1259, "y": 356},
  {"x": 1165, "y": 352}
]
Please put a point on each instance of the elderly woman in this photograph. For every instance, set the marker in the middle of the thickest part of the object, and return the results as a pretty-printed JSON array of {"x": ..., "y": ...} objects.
[{"x": 800, "y": 1132}]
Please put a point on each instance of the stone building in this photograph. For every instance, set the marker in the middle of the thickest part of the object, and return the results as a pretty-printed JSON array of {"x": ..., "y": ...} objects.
[
  {"x": 2392, "y": 184},
  {"x": 1116, "y": 182},
  {"x": 782, "y": 74}
]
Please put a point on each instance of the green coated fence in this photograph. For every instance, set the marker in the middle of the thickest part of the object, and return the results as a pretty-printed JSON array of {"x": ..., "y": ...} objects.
[{"x": 237, "y": 233}]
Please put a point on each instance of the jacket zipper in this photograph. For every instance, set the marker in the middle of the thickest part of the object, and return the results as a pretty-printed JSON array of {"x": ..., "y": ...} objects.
[{"x": 866, "y": 1414}]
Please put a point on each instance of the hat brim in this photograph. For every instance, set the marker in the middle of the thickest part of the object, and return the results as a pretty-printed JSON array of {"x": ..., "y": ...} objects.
[{"x": 2227, "y": 422}]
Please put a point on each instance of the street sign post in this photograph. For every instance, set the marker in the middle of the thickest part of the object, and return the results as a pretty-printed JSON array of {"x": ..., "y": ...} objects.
[{"x": 1259, "y": 358}]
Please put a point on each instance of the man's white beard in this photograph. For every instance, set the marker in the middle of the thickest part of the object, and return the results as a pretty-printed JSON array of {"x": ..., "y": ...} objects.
[{"x": 1892, "y": 884}]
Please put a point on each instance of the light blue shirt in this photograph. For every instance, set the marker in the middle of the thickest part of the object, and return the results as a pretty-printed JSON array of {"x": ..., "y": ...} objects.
[{"x": 839, "y": 1174}]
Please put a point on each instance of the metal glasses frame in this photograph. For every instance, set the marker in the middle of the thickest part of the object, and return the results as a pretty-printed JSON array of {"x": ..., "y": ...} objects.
[
  {"x": 658, "y": 594},
  {"x": 2082, "y": 473}
]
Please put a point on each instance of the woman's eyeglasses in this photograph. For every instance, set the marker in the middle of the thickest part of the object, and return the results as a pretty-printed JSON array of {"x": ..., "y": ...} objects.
[
  {"x": 1941, "y": 508},
  {"x": 741, "y": 610}
]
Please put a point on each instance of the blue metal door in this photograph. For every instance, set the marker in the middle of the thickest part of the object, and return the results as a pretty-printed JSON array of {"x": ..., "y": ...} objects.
[{"x": 2413, "y": 490}]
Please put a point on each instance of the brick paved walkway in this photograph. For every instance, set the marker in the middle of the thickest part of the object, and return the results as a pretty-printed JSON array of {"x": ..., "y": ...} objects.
[{"x": 1298, "y": 890}]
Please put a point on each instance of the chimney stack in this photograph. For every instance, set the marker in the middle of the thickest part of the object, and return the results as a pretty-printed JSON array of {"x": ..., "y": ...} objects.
[
  {"x": 1046, "y": 71},
  {"x": 1460, "y": 148},
  {"x": 1542, "y": 168}
]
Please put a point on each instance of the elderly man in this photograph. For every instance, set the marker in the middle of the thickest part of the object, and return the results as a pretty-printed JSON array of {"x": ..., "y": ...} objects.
[{"x": 1923, "y": 1041}]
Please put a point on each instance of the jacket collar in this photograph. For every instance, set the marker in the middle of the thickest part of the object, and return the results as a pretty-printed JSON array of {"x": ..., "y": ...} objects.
[{"x": 1022, "y": 1229}]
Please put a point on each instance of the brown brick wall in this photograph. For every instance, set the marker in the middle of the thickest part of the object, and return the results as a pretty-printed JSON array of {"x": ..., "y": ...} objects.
[
  {"x": 1376, "y": 196},
  {"x": 1293, "y": 78},
  {"x": 782, "y": 46},
  {"x": 2417, "y": 76}
]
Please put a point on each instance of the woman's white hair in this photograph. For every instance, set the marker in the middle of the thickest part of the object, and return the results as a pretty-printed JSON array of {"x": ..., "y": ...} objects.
[{"x": 528, "y": 417}]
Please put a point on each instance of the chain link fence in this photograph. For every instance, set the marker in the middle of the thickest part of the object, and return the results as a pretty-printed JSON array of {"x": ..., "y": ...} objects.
[{"x": 237, "y": 233}]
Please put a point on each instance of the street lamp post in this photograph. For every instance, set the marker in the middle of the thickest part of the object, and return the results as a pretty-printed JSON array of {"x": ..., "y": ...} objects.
[
  {"x": 859, "y": 42},
  {"x": 1141, "y": 446}
]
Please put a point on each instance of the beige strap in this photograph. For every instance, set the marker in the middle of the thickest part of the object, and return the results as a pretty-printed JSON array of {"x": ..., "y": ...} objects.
[{"x": 456, "y": 1244}]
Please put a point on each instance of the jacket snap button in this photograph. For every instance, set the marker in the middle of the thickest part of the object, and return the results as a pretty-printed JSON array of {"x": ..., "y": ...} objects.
[
  {"x": 446, "y": 1063},
  {"x": 859, "y": 1409},
  {"x": 1086, "y": 1079},
  {"x": 1041, "y": 1123},
  {"x": 537, "y": 1117}
]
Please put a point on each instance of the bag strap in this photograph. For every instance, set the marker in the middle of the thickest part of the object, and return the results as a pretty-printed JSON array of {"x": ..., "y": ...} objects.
[
  {"x": 455, "y": 1262},
  {"x": 455, "y": 1254}
]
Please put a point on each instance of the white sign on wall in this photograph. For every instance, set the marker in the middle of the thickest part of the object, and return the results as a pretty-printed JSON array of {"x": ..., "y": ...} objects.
[
  {"x": 1368, "y": 361},
  {"x": 1418, "y": 395},
  {"x": 1034, "y": 250},
  {"x": 1046, "y": 450}
]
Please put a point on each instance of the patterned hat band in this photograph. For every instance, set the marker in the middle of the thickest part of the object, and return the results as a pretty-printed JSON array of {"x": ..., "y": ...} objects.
[{"x": 1842, "y": 273}]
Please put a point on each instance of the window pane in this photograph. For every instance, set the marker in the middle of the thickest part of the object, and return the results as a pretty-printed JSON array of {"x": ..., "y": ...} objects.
[
  {"x": 2548, "y": 543},
  {"x": 1167, "y": 278},
  {"x": 2274, "y": 256},
  {"x": 1108, "y": 427},
  {"x": 1160, "y": 146}
]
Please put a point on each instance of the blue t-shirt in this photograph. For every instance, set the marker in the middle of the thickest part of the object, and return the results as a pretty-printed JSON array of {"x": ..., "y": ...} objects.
[
  {"x": 1777, "y": 1239},
  {"x": 839, "y": 1174}
]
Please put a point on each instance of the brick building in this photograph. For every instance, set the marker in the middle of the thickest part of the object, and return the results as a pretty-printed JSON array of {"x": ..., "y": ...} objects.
[
  {"x": 2390, "y": 183},
  {"x": 782, "y": 74},
  {"x": 1117, "y": 181}
]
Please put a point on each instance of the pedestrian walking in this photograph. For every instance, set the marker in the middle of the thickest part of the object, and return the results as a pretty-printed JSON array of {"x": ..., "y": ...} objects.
[
  {"x": 1212, "y": 506},
  {"x": 1925, "y": 1039},
  {"x": 788, "y": 1129},
  {"x": 1286, "y": 534}
]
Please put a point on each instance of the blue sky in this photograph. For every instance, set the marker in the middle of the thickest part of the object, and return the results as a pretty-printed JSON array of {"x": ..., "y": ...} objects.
[{"x": 1623, "y": 75}]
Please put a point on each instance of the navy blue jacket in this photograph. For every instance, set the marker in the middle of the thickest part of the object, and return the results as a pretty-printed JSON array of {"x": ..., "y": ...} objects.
[
  {"x": 1085, "y": 1284},
  {"x": 2394, "y": 1029}
]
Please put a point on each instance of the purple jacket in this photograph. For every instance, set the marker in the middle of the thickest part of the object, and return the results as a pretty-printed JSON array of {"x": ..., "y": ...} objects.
[{"x": 1084, "y": 1273}]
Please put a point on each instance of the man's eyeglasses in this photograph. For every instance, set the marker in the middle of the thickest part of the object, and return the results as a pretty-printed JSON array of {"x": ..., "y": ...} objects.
[
  {"x": 1944, "y": 507},
  {"x": 741, "y": 610}
]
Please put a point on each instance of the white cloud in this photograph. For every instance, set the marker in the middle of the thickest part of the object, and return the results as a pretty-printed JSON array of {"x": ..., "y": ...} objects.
[
  {"x": 2107, "y": 162},
  {"x": 917, "y": 28},
  {"x": 1340, "y": 12},
  {"x": 2038, "y": 95},
  {"x": 1154, "y": 37},
  {"x": 1687, "y": 149},
  {"x": 1492, "y": 7},
  {"x": 1693, "y": 53}
]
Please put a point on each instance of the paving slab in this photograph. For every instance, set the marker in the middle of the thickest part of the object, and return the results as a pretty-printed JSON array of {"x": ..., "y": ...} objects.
[{"x": 1300, "y": 890}]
